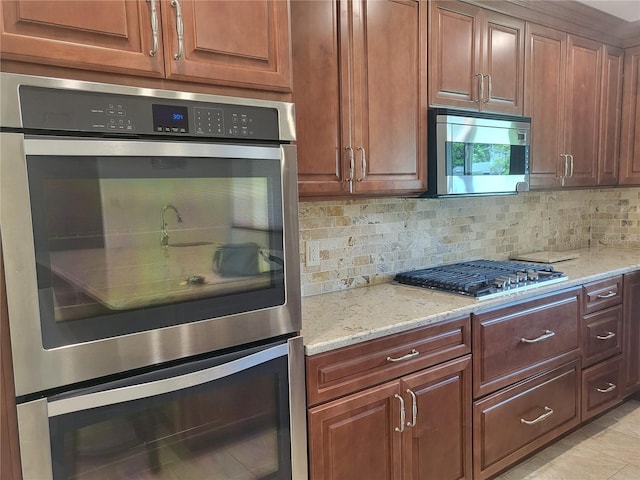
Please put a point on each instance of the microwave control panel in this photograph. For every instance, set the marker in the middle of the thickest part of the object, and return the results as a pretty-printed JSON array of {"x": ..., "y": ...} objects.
[{"x": 115, "y": 114}]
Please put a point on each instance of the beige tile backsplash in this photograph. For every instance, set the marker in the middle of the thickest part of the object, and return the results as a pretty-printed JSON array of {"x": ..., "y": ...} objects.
[{"x": 367, "y": 241}]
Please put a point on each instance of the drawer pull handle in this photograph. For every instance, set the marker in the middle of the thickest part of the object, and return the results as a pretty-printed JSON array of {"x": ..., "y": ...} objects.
[
  {"x": 544, "y": 416},
  {"x": 544, "y": 336},
  {"x": 607, "y": 295},
  {"x": 414, "y": 408},
  {"x": 402, "y": 414},
  {"x": 607, "y": 336},
  {"x": 409, "y": 355},
  {"x": 610, "y": 388}
]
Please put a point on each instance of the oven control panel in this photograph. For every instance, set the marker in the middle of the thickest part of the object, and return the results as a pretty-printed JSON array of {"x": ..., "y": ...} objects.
[{"x": 114, "y": 114}]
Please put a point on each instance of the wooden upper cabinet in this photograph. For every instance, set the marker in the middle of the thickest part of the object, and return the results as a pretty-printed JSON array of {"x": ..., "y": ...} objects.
[
  {"x": 359, "y": 71},
  {"x": 114, "y": 36},
  {"x": 477, "y": 58},
  {"x": 235, "y": 43},
  {"x": 610, "y": 116},
  {"x": 582, "y": 103},
  {"x": 242, "y": 44},
  {"x": 573, "y": 96},
  {"x": 630, "y": 137},
  {"x": 545, "y": 63}
]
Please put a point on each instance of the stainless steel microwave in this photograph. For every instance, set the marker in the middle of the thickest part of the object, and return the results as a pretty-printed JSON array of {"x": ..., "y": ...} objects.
[{"x": 474, "y": 153}]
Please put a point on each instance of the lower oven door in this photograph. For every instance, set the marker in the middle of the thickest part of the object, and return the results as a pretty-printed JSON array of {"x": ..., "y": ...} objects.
[{"x": 240, "y": 415}]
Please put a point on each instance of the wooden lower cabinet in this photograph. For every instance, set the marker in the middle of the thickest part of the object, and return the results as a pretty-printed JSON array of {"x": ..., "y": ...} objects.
[
  {"x": 601, "y": 387},
  {"x": 415, "y": 427},
  {"x": 631, "y": 347},
  {"x": 517, "y": 420}
]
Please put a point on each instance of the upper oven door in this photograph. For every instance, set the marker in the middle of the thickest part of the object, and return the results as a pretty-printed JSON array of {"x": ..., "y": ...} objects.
[{"x": 125, "y": 253}]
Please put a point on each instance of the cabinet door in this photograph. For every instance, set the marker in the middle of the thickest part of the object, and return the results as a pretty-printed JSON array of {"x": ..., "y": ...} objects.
[
  {"x": 454, "y": 52},
  {"x": 610, "y": 115},
  {"x": 388, "y": 108},
  {"x": 438, "y": 446},
  {"x": 243, "y": 44},
  {"x": 318, "y": 76},
  {"x": 503, "y": 63},
  {"x": 631, "y": 322},
  {"x": 545, "y": 61},
  {"x": 630, "y": 138},
  {"x": 113, "y": 36},
  {"x": 581, "y": 133},
  {"x": 355, "y": 437}
]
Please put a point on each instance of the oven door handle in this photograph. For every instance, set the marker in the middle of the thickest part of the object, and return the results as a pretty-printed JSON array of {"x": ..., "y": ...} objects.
[{"x": 165, "y": 385}]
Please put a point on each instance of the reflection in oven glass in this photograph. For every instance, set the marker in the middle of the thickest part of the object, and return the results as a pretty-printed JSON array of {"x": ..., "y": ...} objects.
[{"x": 229, "y": 435}]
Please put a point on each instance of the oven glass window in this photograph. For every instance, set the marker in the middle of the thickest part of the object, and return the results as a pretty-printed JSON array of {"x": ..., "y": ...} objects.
[
  {"x": 486, "y": 159},
  {"x": 236, "y": 427},
  {"x": 126, "y": 244}
]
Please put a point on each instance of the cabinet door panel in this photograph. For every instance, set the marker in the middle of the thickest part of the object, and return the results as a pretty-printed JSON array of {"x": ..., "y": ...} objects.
[
  {"x": 439, "y": 445},
  {"x": 545, "y": 59},
  {"x": 631, "y": 321},
  {"x": 234, "y": 43},
  {"x": 630, "y": 138},
  {"x": 584, "y": 69},
  {"x": 354, "y": 437},
  {"x": 454, "y": 52},
  {"x": 316, "y": 72},
  {"x": 610, "y": 116},
  {"x": 387, "y": 109},
  {"x": 107, "y": 36},
  {"x": 504, "y": 63}
]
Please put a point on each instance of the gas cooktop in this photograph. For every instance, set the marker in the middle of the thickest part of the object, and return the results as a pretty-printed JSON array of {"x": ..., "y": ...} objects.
[{"x": 482, "y": 279}]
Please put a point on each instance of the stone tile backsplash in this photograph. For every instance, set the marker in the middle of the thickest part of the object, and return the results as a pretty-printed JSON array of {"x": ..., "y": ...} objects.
[{"x": 367, "y": 241}]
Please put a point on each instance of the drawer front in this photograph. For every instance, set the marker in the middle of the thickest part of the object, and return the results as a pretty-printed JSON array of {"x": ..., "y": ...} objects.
[
  {"x": 601, "y": 387},
  {"x": 602, "y": 294},
  {"x": 601, "y": 335},
  {"x": 515, "y": 421},
  {"x": 340, "y": 372},
  {"x": 512, "y": 343}
]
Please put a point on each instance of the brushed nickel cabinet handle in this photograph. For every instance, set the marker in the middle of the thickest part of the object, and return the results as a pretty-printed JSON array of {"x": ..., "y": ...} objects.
[
  {"x": 409, "y": 355},
  {"x": 179, "y": 29},
  {"x": 544, "y": 416},
  {"x": 402, "y": 414},
  {"x": 480, "y": 87},
  {"x": 610, "y": 294},
  {"x": 364, "y": 163},
  {"x": 571, "y": 165},
  {"x": 546, "y": 334},
  {"x": 154, "y": 27},
  {"x": 606, "y": 337},
  {"x": 349, "y": 180},
  {"x": 610, "y": 388},
  {"x": 488, "y": 97},
  {"x": 414, "y": 408}
]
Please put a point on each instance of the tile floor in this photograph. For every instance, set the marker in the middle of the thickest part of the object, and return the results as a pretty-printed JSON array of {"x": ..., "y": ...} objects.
[{"x": 608, "y": 448}]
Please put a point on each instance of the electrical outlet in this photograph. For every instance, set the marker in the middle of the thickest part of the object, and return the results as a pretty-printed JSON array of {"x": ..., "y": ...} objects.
[{"x": 313, "y": 253}]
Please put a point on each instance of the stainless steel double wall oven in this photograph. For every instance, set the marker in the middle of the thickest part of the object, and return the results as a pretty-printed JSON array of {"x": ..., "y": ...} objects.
[{"x": 150, "y": 245}]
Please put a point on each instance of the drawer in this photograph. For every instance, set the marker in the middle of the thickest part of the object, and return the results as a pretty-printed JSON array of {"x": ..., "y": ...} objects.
[
  {"x": 514, "y": 342},
  {"x": 516, "y": 421},
  {"x": 347, "y": 370},
  {"x": 601, "y": 335},
  {"x": 601, "y": 387},
  {"x": 602, "y": 294}
]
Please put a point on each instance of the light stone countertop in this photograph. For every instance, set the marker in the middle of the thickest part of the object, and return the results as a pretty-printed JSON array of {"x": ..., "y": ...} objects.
[{"x": 347, "y": 317}]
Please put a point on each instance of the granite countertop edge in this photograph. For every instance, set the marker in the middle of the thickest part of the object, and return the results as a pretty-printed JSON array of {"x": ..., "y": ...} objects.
[{"x": 348, "y": 317}]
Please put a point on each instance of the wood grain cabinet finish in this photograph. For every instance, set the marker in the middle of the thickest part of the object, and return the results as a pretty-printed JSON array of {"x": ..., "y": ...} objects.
[
  {"x": 602, "y": 294},
  {"x": 514, "y": 342},
  {"x": 601, "y": 335},
  {"x": 242, "y": 44},
  {"x": 477, "y": 58},
  {"x": 359, "y": 70},
  {"x": 630, "y": 129},
  {"x": 573, "y": 96},
  {"x": 418, "y": 428},
  {"x": 601, "y": 387},
  {"x": 349, "y": 369},
  {"x": 515, "y": 421},
  {"x": 631, "y": 348}
]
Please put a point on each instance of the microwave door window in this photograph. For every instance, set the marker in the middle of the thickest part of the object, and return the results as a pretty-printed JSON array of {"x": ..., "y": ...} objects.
[
  {"x": 128, "y": 244},
  {"x": 480, "y": 159}
]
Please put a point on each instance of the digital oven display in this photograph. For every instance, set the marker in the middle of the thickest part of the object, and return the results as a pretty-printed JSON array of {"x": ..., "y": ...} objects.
[{"x": 169, "y": 118}]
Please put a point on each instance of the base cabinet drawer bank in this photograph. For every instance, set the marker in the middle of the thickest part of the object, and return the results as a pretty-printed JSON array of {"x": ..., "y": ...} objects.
[{"x": 414, "y": 426}]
